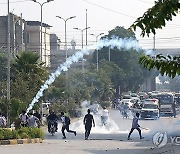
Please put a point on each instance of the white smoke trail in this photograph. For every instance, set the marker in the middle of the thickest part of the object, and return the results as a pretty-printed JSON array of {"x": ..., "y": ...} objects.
[
  {"x": 114, "y": 42},
  {"x": 63, "y": 67}
]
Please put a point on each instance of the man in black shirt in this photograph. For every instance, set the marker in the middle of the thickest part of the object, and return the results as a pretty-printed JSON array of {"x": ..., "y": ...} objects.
[
  {"x": 65, "y": 125},
  {"x": 52, "y": 118},
  {"x": 88, "y": 120}
]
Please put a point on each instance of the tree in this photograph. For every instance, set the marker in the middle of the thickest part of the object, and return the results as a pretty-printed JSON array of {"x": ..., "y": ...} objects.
[
  {"x": 27, "y": 76},
  {"x": 155, "y": 18},
  {"x": 132, "y": 74}
]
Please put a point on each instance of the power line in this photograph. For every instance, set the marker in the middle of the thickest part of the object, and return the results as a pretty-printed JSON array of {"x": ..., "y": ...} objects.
[
  {"x": 109, "y": 9},
  {"x": 20, "y": 1}
]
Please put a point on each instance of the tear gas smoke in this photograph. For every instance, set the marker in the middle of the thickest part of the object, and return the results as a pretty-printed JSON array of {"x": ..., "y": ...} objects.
[
  {"x": 110, "y": 127},
  {"x": 114, "y": 42}
]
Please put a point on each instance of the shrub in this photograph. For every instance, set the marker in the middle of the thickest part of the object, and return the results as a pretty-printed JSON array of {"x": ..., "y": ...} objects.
[{"x": 23, "y": 132}]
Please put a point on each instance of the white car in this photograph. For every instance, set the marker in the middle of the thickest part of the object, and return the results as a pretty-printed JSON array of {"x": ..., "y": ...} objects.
[{"x": 150, "y": 109}]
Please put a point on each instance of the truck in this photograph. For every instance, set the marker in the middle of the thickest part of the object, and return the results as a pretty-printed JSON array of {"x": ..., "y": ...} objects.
[
  {"x": 150, "y": 109},
  {"x": 166, "y": 101}
]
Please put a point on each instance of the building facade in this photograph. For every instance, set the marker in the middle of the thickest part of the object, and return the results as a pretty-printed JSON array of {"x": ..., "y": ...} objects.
[{"x": 25, "y": 36}]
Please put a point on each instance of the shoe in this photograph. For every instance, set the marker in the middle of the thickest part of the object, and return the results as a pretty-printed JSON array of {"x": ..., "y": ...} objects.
[
  {"x": 141, "y": 138},
  {"x": 64, "y": 138},
  {"x": 129, "y": 138},
  {"x": 75, "y": 133},
  {"x": 86, "y": 138}
]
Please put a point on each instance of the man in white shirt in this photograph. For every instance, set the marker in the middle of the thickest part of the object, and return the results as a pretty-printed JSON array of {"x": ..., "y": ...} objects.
[
  {"x": 2, "y": 120},
  {"x": 135, "y": 125},
  {"x": 24, "y": 119},
  {"x": 104, "y": 116},
  {"x": 33, "y": 120}
]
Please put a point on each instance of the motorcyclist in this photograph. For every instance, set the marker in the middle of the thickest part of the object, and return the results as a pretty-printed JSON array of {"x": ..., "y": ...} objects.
[{"x": 52, "y": 118}]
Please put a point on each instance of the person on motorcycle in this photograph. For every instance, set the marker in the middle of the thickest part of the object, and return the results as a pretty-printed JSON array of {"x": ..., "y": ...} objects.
[{"x": 52, "y": 118}]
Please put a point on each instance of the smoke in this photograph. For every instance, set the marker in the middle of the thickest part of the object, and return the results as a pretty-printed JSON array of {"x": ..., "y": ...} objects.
[
  {"x": 110, "y": 127},
  {"x": 63, "y": 67},
  {"x": 114, "y": 42}
]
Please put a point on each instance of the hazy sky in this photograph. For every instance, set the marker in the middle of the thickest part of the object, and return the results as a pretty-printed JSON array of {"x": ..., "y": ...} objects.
[{"x": 102, "y": 16}]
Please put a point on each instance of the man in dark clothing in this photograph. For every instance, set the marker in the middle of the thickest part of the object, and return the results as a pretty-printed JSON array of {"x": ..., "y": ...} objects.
[
  {"x": 88, "y": 120},
  {"x": 52, "y": 118},
  {"x": 65, "y": 125},
  {"x": 135, "y": 125}
]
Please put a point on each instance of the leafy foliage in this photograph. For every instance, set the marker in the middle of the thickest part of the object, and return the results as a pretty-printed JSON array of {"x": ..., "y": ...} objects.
[
  {"x": 169, "y": 66},
  {"x": 124, "y": 69},
  {"x": 22, "y": 133},
  {"x": 27, "y": 76},
  {"x": 156, "y": 17}
]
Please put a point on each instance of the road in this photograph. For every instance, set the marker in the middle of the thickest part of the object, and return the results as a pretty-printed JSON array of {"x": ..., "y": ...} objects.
[{"x": 111, "y": 139}]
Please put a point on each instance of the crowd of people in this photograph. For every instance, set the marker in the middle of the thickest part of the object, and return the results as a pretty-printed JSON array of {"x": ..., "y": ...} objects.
[{"x": 33, "y": 120}]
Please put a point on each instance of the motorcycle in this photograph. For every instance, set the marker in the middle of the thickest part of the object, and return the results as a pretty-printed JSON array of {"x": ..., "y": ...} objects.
[{"x": 52, "y": 128}]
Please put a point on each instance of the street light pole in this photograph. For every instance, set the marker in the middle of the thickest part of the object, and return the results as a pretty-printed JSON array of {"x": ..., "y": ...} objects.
[
  {"x": 41, "y": 5},
  {"x": 65, "y": 21},
  {"x": 82, "y": 42},
  {"x": 97, "y": 58},
  {"x": 8, "y": 68},
  {"x": 82, "y": 33}
]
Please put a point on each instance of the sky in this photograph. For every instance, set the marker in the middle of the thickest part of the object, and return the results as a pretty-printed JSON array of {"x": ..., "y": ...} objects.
[{"x": 102, "y": 16}]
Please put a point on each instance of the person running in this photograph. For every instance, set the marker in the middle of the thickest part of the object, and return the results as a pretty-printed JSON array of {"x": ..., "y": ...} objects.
[
  {"x": 135, "y": 125},
  {"x": 88, "y": 120},
  {"x": 32, "y": 120},
  {"x": 104, "y": 116},
  {"x": 2, "y": 121},
  {"x": 23, "y": 119},
  {"x": 65, "y": 125}
]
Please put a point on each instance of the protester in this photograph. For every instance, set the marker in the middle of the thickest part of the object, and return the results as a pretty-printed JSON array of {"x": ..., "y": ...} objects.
[
  {"x": 36, "y": 114},
  {"x": 88, "y": 120},
  {"x": 135, "y": 125},
  {"x": 174, "y": 109},
  {"x": 2, "y": 121},
  {"x": 65, "y": 125},
  {"x": 23, "y": 119},
  {"x": 104, "y": 116},
  {"x": 33, "y": 120},
  {"x": 52, "y": 118}
]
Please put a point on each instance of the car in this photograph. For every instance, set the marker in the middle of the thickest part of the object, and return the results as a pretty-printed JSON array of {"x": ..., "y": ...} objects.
[{"x": 150, "y": 109}]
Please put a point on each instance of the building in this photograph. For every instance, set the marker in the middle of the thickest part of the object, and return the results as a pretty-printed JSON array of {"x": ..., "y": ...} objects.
[
  {"x": 25, "y": 36},
  {"x": 16, "y": 33},
  {"x": 33, "y": 40},
  {"x": 54, "y": 42}
]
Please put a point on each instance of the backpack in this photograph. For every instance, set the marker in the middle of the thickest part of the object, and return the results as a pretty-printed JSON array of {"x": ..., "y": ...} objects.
[{"x": 67, "y": 120}]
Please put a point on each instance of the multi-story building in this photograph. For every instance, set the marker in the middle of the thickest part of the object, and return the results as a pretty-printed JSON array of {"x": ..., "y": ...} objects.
[
  {"x": 16, "y": 33},
  {"x": 25, "y": 36},
  {"x": 33, "y": 37}
]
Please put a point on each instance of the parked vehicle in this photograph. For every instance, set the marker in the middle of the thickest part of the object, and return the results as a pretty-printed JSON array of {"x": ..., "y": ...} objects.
[{"x": 150, "y": 109}]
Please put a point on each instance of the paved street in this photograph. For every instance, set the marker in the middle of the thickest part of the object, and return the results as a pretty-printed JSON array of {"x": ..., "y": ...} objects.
[{"x": 109, "y": 140}]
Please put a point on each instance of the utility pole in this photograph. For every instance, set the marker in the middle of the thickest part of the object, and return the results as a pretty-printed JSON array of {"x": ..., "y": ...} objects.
[
  {"x": 154, "y": 43},
  {"x": 109, "y": 54},
  {"x": 8, "y": 68},
  {"x": 86, "y": 28}
]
